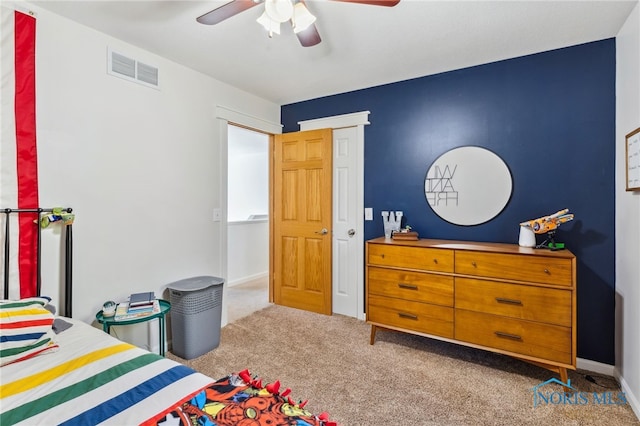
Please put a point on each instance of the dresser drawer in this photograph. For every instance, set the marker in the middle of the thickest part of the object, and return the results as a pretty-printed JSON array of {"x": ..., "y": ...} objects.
[
  {"x": 427, "y": 259},
  {"x": 548, "y": 342},
  {"x": 413, "y": 286},
  {"x": 528, "y": 268},
  {"x": 413, "y": 316},
  {"x": 548, "y": 305}
]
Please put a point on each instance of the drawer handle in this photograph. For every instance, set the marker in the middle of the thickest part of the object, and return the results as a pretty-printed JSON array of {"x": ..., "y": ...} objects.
[
  {"x": 508, "y": 301},
  {"x": 407, "y": 316},
  {"x": 408, "y": 286},
  {"x": 474, "y": 264},
  {"x": 546, "y": 271},
  {"x": 508, "y": 335},
  {"x": 382, "y": 256},
  {"x": 435, "y": 261}
]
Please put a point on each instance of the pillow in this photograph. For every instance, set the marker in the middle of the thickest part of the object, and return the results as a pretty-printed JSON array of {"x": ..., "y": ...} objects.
[
  {"x": 25, "y": 329},
  {"x": 60, "y": 325}
]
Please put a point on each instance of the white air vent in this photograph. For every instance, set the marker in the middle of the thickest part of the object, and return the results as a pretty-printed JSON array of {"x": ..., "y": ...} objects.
[
  {"x": 148, "y": 74},
  {"x": 122, "y": 66}
]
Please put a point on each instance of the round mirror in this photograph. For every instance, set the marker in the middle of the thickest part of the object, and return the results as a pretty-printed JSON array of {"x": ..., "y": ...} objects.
[{"x": 469, "y": 185}]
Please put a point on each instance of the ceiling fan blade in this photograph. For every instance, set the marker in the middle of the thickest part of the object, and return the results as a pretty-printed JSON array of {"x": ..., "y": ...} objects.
[
  {"x": 226, "y": 11},
  {"x": 386, "y": 3},
  {"x": 309, "y": 37}
]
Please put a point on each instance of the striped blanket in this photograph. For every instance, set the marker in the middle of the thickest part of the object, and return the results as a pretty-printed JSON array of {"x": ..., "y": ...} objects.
[{"x": 93, "y": 379}]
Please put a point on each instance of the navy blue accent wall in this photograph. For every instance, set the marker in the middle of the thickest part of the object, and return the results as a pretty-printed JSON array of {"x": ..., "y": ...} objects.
[{"x": 550, "y": 116}]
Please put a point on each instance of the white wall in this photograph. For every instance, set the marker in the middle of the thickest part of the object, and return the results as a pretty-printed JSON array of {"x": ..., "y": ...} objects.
[
  {"x": 248, "y": 244},
  {"x": 627, "y": 213},
  {"x": 139, "y": 166},
  {"x": 248, "y": 193},
  {"x": 248, "y": 174}
]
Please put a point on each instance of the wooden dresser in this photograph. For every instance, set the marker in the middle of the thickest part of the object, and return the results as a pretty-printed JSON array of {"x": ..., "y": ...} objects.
[{"x": 499, "y": 297}]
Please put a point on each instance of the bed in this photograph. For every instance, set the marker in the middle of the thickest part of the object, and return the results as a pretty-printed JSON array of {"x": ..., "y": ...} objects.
[{"x": 58, "y": 370}]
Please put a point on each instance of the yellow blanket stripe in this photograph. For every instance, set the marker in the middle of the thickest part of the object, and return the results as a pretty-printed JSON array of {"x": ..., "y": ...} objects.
[
  {"x": 24, "y": 312},
  {"x": 37, "y": 379}
]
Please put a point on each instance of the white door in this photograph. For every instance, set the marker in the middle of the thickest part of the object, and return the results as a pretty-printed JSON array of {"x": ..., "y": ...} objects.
[
  {"x": 348, "y": 209},
  {"x": 345, "y": 223}
]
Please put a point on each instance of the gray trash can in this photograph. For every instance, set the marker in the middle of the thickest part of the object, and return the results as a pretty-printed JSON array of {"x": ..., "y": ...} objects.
[{"x": 196, "y": 309}]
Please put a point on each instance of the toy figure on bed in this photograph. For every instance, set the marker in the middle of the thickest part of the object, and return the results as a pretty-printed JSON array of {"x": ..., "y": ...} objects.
[
  {"x": 549, "y": 225},
  {"x": 241, "y": 400}
]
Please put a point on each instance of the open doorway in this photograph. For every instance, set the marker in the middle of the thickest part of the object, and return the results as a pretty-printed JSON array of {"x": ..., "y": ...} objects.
[
  {"x": 247, "y": 222},
  {"x": 359, "y": 120}
]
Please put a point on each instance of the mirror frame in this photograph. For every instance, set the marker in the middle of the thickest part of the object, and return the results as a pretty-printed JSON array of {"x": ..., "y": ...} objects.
[{"x": 468, "y": 185}]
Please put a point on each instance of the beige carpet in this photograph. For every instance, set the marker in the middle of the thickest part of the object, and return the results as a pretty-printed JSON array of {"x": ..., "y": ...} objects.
[
  {"x": 402, "y": 379},
  {"x": 246, "y": 298}
]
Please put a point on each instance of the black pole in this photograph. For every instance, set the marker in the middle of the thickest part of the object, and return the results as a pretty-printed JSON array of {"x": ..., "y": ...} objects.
[
  {"x": 38, "y": 210},
  {"x": 68, "y": 263},
  {"x": 38, "y": 256},
  {"x": 6, "y": 254}
]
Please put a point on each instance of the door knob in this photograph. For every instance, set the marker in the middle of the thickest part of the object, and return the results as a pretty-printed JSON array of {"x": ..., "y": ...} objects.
[
  {"x": 323, "y": 231},
  {"x": 351, "y": 232}
]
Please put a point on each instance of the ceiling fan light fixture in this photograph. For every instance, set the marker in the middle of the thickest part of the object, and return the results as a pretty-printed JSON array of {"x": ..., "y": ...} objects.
[
  {"x": 279, "y": 10},
  {"x": 269, "y": 24},
  {"x": 302, "y": 18}
]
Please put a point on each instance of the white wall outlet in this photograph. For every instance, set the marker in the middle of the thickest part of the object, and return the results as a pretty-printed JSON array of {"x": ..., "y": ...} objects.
[
  {"x": 217, "y": 215},
  {"x": 368, "y": 213}
]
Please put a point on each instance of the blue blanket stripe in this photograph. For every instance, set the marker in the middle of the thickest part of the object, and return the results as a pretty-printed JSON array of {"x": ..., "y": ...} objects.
[
  {"x": 129, "y": 398},
  {"x": 19, "y": 337}
]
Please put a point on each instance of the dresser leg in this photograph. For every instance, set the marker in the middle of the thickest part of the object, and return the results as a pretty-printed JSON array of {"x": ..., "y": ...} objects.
[
  {"x": 372, "y": 339},
  {"x": 562, "y": 371},
  {"x": 564, "y": 378}
]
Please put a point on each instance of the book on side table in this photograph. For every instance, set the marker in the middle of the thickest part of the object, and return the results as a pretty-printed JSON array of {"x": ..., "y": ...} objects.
[
  {"x": 141, "y": 299},
  {"x": 123, "y": 312}
]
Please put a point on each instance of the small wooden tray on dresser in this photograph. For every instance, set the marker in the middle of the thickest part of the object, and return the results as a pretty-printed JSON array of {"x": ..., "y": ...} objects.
[
  {"x": 498, "y": 297},
  {"x": 405, "y": 236}
]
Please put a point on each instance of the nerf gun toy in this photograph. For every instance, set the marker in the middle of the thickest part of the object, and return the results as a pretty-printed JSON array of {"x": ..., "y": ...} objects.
[{"x": 549, "y": 224}]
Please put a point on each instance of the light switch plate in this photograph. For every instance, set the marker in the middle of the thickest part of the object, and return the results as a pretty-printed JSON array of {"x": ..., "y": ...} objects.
[{"x": 368, "y": 213}]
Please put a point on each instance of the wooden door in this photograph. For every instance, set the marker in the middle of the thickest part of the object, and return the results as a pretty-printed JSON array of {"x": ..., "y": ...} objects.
[{"x": 301, "y": 218}]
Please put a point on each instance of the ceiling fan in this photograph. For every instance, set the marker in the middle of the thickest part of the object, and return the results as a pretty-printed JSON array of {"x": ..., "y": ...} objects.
[{"x": 279, "y": 11}]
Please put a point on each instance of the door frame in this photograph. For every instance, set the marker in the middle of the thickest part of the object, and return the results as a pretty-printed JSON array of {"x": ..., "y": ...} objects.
[
  {"x": 358, "y": 120},
  {"x": 225, "y": 116}
]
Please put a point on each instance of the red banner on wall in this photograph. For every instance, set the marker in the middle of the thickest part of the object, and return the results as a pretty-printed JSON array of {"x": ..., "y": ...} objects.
[{"x": 19, "y": 164}]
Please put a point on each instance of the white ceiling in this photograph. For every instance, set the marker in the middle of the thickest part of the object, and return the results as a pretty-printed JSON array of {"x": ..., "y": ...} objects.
[{"x": 363, "y": 46}]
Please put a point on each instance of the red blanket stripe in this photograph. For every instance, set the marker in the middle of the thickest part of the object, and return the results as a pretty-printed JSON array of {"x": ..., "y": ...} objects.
[{"x": 23, "y": 324}]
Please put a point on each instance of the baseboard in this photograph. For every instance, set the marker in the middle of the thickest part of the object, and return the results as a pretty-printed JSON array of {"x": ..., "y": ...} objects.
[
  {"x": 248, "y": 278},
  {"x": 596, "y": 367},
  {"x": 632, "y": 399},
  {"x": 610, "y": 370}
]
